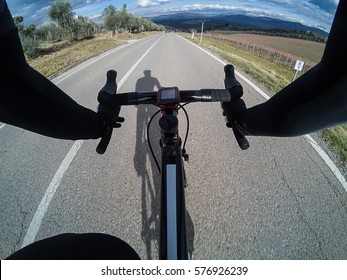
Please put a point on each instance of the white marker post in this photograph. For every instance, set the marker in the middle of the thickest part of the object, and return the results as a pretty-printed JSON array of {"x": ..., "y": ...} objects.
[
  {"x": 202, "y": 31},
  {"x": 299, "y": 65}
]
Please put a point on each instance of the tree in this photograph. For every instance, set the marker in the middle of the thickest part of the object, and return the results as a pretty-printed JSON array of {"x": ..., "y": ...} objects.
[
  {"x": 111, "y": 18},
  {"x": 18, "y": 21},
  {"x": 114, "y": 19},
  {"x": 124, "y": 17},
  {"x": 27, "y": 36},
  {"x": 30, "y": 47},
  {"x": 29, "y": 31},
  {"x": 49, "y": 32},
  {"x": 60, "y": 12}
]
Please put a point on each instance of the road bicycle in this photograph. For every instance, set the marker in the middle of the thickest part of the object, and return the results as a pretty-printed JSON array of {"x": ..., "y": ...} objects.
[{"x": 172, "y": 213}]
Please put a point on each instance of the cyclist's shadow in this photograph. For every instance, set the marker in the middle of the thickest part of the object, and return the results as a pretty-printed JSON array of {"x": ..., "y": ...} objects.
[{"x": 148, "y": 171}]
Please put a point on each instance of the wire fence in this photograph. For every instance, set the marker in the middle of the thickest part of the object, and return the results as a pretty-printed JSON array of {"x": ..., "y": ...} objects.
[{"x": 276, "y": 56}]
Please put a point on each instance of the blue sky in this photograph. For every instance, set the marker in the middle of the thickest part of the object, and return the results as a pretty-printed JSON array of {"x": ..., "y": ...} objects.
[{"x": 318, "y": 13}]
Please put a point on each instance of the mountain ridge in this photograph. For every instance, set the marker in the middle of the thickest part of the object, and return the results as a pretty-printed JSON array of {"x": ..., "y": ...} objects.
[{"x": 189, "y": 20}]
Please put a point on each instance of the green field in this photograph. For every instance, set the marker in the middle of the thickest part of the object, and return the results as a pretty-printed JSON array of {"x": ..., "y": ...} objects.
[{"x": 274, "y": 77}]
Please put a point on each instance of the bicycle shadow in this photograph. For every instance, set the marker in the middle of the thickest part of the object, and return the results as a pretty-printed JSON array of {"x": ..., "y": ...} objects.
[{"x": 146, "y": 169}]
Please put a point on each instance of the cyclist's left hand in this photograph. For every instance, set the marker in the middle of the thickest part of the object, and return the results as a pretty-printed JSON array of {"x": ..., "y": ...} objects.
[
  {"x": 108, "y": 106},
  {"x": 111, "y": 114}
]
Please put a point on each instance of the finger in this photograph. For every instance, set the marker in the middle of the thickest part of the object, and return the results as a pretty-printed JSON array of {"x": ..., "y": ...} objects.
[
  {"x": 120, "y": 119},
  {"x": 116, "y": 125}
]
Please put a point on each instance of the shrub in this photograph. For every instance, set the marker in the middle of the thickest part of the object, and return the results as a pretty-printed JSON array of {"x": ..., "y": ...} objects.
[{"x": 30, "y": 47}]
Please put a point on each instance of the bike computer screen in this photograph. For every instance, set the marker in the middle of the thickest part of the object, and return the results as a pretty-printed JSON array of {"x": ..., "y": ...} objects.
[{"x": 167, "y": 96}]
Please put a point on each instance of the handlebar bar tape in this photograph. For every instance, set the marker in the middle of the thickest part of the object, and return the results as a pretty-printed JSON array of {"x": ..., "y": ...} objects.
[
  {"x": 215, "y": 95},
  {"x": 111, "y": 86}
]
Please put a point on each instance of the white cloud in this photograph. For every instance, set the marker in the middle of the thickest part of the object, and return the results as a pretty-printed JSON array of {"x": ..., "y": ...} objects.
[
  {"x": 148, "y": 3},
  {"x": 201, "y": 7}
]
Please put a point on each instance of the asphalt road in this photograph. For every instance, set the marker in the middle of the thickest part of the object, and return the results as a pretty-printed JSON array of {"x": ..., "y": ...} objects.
[{"x": 277, "y": 200}]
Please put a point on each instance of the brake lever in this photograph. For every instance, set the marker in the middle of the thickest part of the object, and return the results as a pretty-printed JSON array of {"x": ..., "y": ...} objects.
[
  {"x": 105, "y": 140},
  {"x": 236, "y": 92}
]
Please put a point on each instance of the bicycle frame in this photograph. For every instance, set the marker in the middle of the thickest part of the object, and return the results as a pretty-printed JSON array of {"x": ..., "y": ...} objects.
[{"x": 173, "y": 230}]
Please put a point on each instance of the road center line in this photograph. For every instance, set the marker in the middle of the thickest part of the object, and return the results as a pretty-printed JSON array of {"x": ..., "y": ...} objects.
[
  {"x": 308, "y": 138},
  {"x": 53, "y": 186},
  {"x": 98, "y": 58},
  {"x": 126, "y": 76}
]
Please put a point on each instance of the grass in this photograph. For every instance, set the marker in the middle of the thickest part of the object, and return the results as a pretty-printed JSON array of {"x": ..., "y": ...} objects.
[
  {"x": 275, "y": 77},
  {"x": 62, "y": 55},
  {"x": 271, "y": 75},
  {"x": 337, "y": 137}
]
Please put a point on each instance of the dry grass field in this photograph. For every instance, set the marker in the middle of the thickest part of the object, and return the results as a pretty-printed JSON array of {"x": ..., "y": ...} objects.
[
  {"x": 60, "y": 56},
  {"x": 307, "y": 50}
]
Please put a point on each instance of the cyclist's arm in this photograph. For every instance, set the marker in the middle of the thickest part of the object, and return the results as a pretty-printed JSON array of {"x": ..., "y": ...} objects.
[
  {"x": 30, "y": 101},
  {"x": 316, "y": 100}
]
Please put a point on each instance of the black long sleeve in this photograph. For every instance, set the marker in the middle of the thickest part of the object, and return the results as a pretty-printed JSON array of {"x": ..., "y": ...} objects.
[
  {"x": 30, "y": 101},
  {"x": 318, "y": 99}
]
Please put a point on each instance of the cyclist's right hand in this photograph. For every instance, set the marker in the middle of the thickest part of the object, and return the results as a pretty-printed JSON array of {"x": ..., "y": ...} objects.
[
  {"x": 231, "y": 111},
  {"x": 233, "y": 108}
]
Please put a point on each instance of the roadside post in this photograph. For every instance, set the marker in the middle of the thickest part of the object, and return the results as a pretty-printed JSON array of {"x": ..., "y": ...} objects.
[
  {"x": 299, "y": 65},
  {"x": 202, "y": 30}
]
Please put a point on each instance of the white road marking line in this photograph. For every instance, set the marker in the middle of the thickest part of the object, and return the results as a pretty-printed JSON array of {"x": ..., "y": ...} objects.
[
  {"x": 261, "y": 92},
  {"x": 308, "y": 138},
  {"x": 80, "y": 68},
  {"x": 101, "y": 57},
  {"x": 327, "y": 160},
  {"x": 53, "y": 186},
  {"x": 48, "y": 196},
  {"x": 126, "y": 76}
]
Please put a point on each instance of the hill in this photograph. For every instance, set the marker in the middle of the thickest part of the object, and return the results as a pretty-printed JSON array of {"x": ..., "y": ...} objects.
[{"x": 186, "y": 21}]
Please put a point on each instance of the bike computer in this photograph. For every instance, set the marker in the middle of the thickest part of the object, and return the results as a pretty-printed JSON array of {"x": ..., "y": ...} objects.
[{"x": 167, "y": 96}]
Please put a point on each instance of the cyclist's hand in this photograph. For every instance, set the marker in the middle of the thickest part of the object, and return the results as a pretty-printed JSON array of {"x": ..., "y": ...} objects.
[
  {"x": 111, "y": 114},
  {"x": 235, "y": 107},
  {"x": 231, "y": 111},
  {"x": 109, "y": 109},
  {"x": 107, "y": 103}
]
